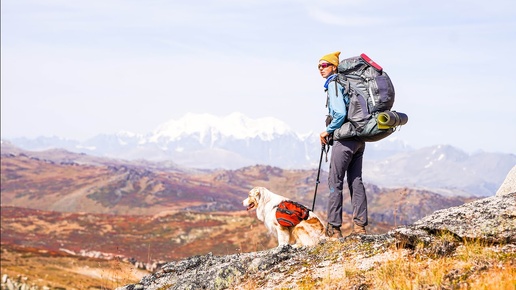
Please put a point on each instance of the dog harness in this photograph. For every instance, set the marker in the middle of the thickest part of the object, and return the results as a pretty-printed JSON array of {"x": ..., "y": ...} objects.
[{"x": 290, "y": 213}]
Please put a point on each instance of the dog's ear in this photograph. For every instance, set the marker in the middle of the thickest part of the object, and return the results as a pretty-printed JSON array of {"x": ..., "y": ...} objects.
[{"x": 256, "y": 192}]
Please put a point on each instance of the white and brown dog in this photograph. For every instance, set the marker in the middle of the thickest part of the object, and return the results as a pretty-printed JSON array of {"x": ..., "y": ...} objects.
[{"x": 307, "y": 233}]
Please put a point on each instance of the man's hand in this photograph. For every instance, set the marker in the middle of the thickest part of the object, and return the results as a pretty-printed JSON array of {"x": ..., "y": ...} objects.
[{"x": 323, "y": 136}]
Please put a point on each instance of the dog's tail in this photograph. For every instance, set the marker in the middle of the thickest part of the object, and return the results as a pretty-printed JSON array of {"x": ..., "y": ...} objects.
[
  {"x": 312, "y": 215},
  {"x": 315, "y": 224}
]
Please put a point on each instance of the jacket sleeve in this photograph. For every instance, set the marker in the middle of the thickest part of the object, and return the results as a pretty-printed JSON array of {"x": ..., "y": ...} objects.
[{"x": 336, "y": 107}]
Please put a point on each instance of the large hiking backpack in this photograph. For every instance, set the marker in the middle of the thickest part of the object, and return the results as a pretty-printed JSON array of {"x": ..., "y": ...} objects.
[
  {"x": 371, "y": 97},
  {"x": 290, "y": 213}
]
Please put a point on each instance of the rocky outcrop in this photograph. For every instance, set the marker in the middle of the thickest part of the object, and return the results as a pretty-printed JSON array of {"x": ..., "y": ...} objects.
[
  {"x": 509, "y": 184},
  {"x": 491, "y": 221}
]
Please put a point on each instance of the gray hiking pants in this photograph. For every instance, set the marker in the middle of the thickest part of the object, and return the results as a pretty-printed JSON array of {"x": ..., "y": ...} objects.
[{"x": 346, "y": 158}]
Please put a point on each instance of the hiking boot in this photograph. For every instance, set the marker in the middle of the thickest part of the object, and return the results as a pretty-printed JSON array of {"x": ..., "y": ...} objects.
[
  {"x": 359, "y": 230},
  {"x": 333, "y": 231}
]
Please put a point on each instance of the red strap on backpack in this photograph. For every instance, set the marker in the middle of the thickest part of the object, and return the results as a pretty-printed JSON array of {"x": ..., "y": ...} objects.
[{"x": 371, "y": 62}]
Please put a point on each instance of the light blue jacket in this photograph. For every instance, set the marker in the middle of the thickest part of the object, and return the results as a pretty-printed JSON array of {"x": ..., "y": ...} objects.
[{"x": 336, "y": 103}]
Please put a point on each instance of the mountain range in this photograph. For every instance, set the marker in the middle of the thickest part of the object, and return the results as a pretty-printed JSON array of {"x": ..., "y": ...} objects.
[{"x": 205, "y": 141}]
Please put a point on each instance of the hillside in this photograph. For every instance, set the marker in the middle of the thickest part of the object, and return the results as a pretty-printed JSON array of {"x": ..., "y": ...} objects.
[
  {"x": 59, "y": 244},
  {"x": 62, "y": 181}
]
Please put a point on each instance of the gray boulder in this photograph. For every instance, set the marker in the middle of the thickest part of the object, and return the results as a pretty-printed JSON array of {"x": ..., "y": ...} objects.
[{"x": 491, "y": 219}]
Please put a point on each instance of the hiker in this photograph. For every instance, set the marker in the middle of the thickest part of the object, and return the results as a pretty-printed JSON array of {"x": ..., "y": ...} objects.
[{"x": 346, "y": 155}]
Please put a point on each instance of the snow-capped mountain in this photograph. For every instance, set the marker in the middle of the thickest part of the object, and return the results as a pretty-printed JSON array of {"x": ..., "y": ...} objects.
[
  {"x": 210, "y": 128},
  {"x": 206, "y": 141}
]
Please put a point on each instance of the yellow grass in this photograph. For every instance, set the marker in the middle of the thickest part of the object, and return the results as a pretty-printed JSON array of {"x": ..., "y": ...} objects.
[{"x": 474, "y": 265}]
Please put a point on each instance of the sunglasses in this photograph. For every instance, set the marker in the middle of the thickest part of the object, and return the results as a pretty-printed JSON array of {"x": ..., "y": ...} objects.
[{"x": 324, "y": 65}]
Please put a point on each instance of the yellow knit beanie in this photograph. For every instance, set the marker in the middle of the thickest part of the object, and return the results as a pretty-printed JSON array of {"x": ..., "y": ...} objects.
[{"x": 332, "y": 58}]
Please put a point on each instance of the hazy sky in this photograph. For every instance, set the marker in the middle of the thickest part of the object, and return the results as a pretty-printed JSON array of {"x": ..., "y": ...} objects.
[{"x": 75, "y": 69}]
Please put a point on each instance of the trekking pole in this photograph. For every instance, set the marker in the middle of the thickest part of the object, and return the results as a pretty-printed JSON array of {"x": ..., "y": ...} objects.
[{"x": 318, "y": 173}]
